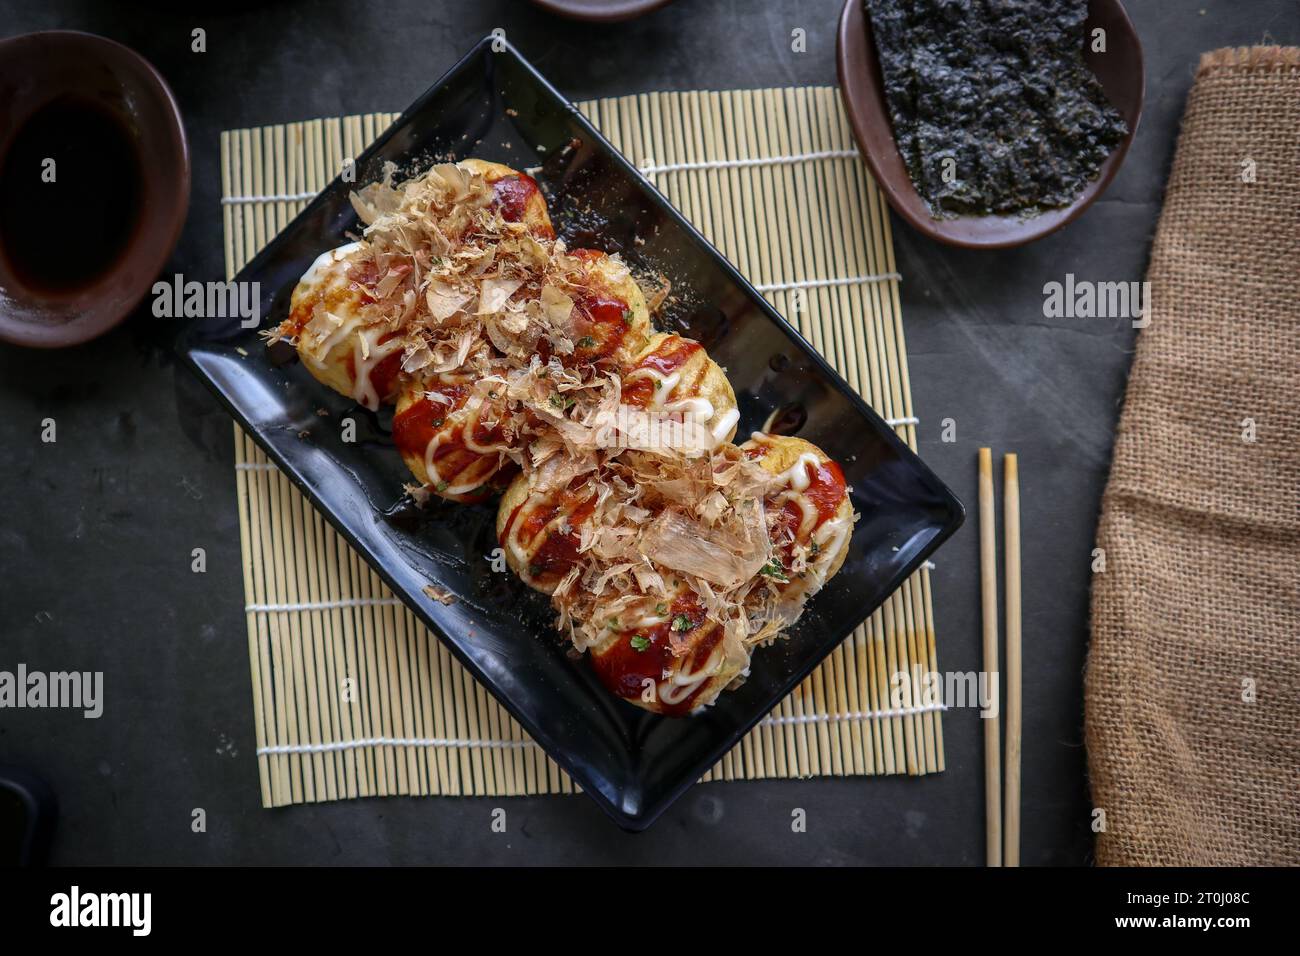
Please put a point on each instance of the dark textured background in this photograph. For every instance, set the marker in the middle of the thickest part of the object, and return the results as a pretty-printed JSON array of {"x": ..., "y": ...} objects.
[{"x": 97, "y": 530}]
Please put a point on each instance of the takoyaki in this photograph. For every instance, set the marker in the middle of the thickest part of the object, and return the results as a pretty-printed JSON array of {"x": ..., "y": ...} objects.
[
  {"x": 539, "y": 526},
  {"x": 516, "y": 195},
  {"x": 674, "y": 377},
  {"x": 340, "y": 342},
  {"x": 504, "y": 352},
  {"x": 453, "y": 432},
  {"x": 354, "y": 349},
  {"x": 809, "y": 514},
  {"x": 666, "y": 655},
  {"x": 610, "y": 321},
  {"x": 656, "y": 648},
  {"x": 582, "y": 309}
]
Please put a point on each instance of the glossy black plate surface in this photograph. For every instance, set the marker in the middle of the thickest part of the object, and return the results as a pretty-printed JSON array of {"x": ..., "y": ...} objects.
[{"x": 493, "y": 105}]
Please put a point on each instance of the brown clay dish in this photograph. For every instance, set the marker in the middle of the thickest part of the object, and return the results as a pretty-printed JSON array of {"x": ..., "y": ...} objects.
[
  {"x": 862, "y": 88},
  {"x": 37, "y": 68}
]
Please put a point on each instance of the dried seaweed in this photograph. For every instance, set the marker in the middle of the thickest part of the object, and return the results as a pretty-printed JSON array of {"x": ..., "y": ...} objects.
[{"x": 993, "y": 108}]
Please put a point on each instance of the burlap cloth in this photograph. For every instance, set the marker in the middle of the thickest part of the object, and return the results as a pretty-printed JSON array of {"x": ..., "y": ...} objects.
[{"x": 1193, "y": 683}]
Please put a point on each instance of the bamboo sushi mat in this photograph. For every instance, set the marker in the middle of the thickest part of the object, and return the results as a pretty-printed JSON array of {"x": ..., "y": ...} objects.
[{"x": 816, "y": 242}]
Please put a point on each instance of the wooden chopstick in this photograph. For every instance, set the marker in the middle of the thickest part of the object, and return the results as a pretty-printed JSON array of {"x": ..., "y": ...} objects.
[
  {"x": 1011, "y": 547},
  {"x": 989, "y": 595}
]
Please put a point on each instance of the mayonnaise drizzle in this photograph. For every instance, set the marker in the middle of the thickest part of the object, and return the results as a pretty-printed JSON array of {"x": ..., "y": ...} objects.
[
  {"x": 347, "y": 325},
  {"x": 831, "y": 534},
  {"x": 517, "y": 548},
  {"x": 830, "y": 538},
  {"x": 724, "y": 424},
  {"x": 647, "y": 620},
  {"x": 663, "y": 383},
  {"x": 809, "y": 513},
  {"x": 681, "y": 685},
  {"x": 325, "y": 263},
  {"x": 465, "y": 487},
  {"x": 696, "y": 408},
  {"x": 331, "y": 269},
  {"x": 797, "y": 476},
  {"x": 472, "y": 418},
  {"x": 368, "y": 352},
  {"x": 469, "y": 419}
]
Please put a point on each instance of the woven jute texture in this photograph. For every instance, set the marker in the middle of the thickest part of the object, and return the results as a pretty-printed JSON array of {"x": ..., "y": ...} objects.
[{"x": 1193, "y": 685}]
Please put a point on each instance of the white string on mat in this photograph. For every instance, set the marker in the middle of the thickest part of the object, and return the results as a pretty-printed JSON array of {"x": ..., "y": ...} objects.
[
  {"x": 851, "y": 715},
  {"x": 651, "y": 170},
  {"x": 391, "y": 742},
  {"x": 321, "y": 605},
  {"x": 273, "y": 197},
  {"x": 908, "y": 420},
  {"x": 511, "y": 744},
  {"x": 825, "y": 283},
  {"x": 644, "y": 170},
  {"x": 255, "y": 466}
]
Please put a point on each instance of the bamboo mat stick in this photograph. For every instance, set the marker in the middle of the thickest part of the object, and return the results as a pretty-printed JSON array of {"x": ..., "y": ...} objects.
[
  {"x": 989, "y": 595},
  {"x": 1011, "y": 547}
]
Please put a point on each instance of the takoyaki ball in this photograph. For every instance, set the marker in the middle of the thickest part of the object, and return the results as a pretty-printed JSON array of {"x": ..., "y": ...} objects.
[
  {"x": 666, "y": 656},
  {"x": 610, "y": 321},
  {"x": 356, "y": 355},
  {"x": 810, "y": 516},
  {"x": 540, "y": 530},
  {"x": 453, "y": 433},
  {"x": 675, "y": 376},
  {"x": 516, "y": 196}
]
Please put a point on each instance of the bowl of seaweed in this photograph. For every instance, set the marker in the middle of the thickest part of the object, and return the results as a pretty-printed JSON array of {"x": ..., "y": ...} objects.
[{"x": 990, "y": 125}]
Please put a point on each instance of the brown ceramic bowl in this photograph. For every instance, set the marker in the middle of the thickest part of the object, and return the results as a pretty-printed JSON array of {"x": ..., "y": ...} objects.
[
  {"x": 34, "y": 70},
  {"x": 862, "y": 88},
  {"x": 600, "y": 11}
]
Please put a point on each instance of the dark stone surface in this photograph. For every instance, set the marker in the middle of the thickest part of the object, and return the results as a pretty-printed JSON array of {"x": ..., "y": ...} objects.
[{"x": 98, "y": 528}]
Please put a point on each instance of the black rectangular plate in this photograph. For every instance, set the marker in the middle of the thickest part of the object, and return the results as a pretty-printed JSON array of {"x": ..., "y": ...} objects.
[{"x": 494, "y": 105}]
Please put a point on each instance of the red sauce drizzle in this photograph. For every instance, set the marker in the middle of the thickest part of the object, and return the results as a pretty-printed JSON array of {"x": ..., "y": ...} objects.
[
  {"x": 513, "y": 194},
  {"x": 624, "y": 670},
  {"x": 383, "y": 377},
  {"x": 786, "y": 530},
  {"x": 671, "y": 354},
  {"x": 601, "y": 323},
  {"x": 416, "y": 426},
  {"x": 558, "y": 551},
  {"x": 826, "y": 491}
]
